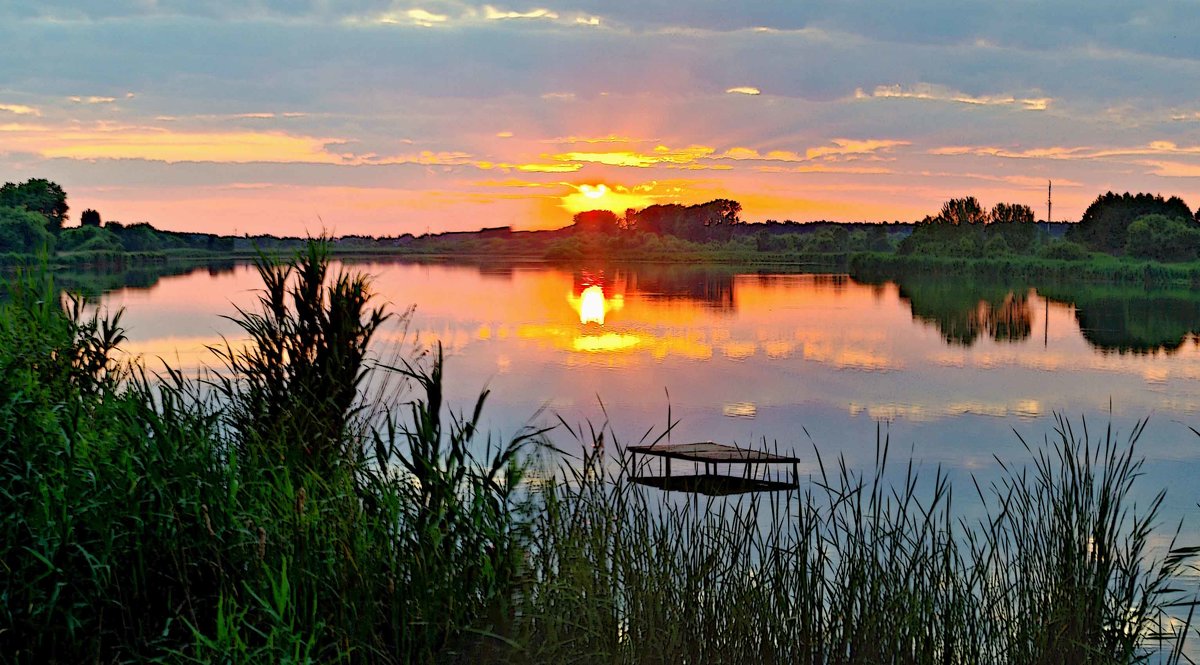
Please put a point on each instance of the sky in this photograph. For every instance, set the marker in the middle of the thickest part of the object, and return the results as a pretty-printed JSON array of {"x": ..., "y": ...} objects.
[{"x": 380, "y": 117}]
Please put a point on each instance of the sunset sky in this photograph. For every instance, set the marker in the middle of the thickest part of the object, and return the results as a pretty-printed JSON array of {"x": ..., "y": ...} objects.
[{"x": 268, "y": 116}]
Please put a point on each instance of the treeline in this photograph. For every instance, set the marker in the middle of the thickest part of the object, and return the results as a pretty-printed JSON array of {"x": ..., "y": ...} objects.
[
  {"x": 32, "y": 214},
  {"x": 702, "y": 222},
  {"x": 1141, "y": 226}
]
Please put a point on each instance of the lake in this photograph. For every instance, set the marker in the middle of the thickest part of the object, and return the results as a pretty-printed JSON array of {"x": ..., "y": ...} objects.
[{"x": 947, "y": 367}]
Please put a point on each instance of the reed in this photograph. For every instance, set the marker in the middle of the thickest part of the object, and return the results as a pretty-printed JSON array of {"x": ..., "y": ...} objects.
[{"x": 308, "y": 502}]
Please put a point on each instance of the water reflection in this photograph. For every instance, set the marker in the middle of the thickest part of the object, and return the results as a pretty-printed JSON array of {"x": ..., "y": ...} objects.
[
  {"x": 1123, "y": 319},
  {"x": 1111, "y": 318},
  {"x": 593, "y": 296},
  {"x": 963, "y": 310}
]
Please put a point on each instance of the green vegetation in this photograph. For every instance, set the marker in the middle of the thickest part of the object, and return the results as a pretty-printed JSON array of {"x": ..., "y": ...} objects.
[
  {"x": 39, "y": 196},
  {"x": 1105, "y": 224},
  {"x": 309, "y": 503}
]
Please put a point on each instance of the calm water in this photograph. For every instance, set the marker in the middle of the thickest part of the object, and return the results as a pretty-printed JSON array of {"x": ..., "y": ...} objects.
[{"x": 949, "y": 367}]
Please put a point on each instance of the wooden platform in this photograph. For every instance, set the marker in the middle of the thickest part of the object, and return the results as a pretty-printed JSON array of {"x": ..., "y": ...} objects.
[
  {"x": 711, "y": 484},
  {"x": 709, "y": 452},
  {"x": 711, "y": 455}
]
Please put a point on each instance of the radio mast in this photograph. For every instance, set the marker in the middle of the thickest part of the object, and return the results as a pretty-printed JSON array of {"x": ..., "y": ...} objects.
[{"x": 1049, "y": 201}]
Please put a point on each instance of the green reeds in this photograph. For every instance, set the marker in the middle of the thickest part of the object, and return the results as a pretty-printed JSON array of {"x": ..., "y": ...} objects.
[{"x": 293, "y": 515}]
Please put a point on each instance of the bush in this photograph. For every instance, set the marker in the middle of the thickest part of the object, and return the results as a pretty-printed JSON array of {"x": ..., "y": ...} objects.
[
  {"x": 88, "y": 239},
  {"x": 1162, "y": 238},
  {"x": 996, "y": 246},
  {"x": 1064, "y": 250},
  {"x": 24, "y": 232}
]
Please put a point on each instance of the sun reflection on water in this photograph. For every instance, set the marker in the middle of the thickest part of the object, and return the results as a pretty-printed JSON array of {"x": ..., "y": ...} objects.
[{"x": 593, "y": 305}]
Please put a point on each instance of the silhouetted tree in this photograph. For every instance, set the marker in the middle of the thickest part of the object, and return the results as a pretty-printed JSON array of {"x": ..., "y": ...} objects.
[
  {"x": 89, "y": 217},
  {"x": 596, "y": 221},
  {"x": 962, "y": 211},
  {"x": 37, "y": 195},
  {"x": 1011, "y": 213},
  {"x": 1105, "y": 224}
]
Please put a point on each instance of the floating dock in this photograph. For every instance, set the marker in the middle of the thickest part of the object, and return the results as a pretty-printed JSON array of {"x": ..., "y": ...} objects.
[{"x": 710, "y": 482}]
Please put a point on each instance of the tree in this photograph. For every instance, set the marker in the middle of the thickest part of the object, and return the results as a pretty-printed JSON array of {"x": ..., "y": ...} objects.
[
  {"x": 1011, "y": 213},
  {"x": 964, "y": 211},
  {"x": 1163, "y": 238},
  {"x": 89, "y": 218},
  {"x": 1105, "y": 224},
  {"x": 23, "y": 232},
  {"x": 37, "y": 195},
  {"x": 596, "y": 221}
]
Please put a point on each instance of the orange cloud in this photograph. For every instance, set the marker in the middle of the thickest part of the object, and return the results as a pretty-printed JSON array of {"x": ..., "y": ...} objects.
[
  {"x": 1174, "y": 169},
  {"x": 109, "y": 142},
  {"x": 661, "y": 155},
  {"x": 842, "y": 147}
]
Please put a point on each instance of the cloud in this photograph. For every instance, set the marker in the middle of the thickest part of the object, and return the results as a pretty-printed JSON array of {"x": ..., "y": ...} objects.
[
  {"x": 661, "y": 155},
  {"x": 1173, "y": 169},
  {"x": 842, "y": 147},
  {"x": 92, "y": 100},
  {"x": 19, "y": 109},
  {"x": 611, "y": 138},
  {"x": 1064, "y": 152},
  {"x": 839, "y": 148},
  {"x": 416, "y": 16},
  {"x": 744, "y": 90},
  {"x": 493, "y": 14},
  {"x": 940, "y": 93}
]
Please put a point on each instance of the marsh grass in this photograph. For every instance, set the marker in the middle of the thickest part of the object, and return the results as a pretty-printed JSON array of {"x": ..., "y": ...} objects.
[
  {"x": 295, "y": 507},
  {"x": 861, "y": 568}
]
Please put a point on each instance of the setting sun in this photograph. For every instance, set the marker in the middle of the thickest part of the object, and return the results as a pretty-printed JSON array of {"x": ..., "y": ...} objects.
[
  {"x": 594, "y": 192},
  {"x": 616, "y": 198}
]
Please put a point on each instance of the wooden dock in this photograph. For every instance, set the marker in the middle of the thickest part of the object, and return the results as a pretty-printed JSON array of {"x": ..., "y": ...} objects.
[{"x": 711, "y": 455}]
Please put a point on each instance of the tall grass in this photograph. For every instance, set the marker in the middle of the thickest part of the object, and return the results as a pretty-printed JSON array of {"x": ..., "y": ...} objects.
[
  {"x": 861, "y": 568},
  {"x": 278, "y": 510}
]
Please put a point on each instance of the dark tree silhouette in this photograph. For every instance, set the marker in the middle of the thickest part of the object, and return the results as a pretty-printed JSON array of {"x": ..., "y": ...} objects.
[
  {"x": 1105, "y": 224},
  {"x": 37, "y": 195},
  {"x": 963, "y": 211},
  {"x": 89, "y": 217},
  {"x": 1011, "y": 213},
  {"x": 715, "y": 220},
  {"x": 596, "y": 221}
]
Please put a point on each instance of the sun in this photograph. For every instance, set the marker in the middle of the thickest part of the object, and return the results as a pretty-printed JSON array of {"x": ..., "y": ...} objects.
[
  {"x": 602, "y": 196},
  {"x": 594, "y": 192}
]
